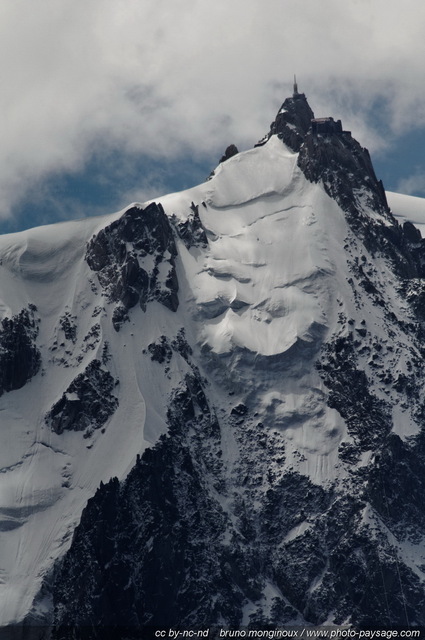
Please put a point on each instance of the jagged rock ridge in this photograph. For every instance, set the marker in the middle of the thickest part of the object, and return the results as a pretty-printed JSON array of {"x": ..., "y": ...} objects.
[{"x": 293, "y": 121}]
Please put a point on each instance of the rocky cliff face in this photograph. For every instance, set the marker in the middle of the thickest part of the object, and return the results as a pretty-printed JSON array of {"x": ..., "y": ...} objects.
[
  {"x": 87, "y": 403},
  {"x": 164, "y": 549},
  {"x": 20, "y": 359},
  {"x": 287, "y": 486},
  {"x": 117, "y": 255},
  {"x": 293, "y": 121}
]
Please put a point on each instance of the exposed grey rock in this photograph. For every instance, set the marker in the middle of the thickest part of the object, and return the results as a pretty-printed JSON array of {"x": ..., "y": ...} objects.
[
  {"x": 160, "y": 351},
  {"x": 87, "y": 403},
  {"x": 191, "y": 230},
  {"x": 117, "y": 255},
  {"x": 20, "y": 358},
  {"x": 69, "y": 327},
  {"x": 293, "y": 121},
  {"x": 231, "y": 151},
  {"x": 368, "y": 418},
  {"x": 411, "y": 233},
  {"x": 345, "y": 169},
  {"x": 171, "y": 527}
]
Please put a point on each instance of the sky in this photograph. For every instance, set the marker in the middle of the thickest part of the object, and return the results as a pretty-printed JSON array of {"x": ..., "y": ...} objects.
[{"x": 107, "y": 102}]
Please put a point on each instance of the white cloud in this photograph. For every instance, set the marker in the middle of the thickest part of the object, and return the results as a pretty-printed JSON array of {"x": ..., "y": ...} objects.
[
  {"x": 413, "y": 184},
  {"x": 190, "y": 76}
]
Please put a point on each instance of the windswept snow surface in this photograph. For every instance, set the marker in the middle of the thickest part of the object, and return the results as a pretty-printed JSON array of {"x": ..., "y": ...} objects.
[{"x": 256, "y": 304}]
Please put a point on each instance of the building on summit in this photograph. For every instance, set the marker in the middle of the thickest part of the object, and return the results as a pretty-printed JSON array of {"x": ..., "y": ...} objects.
[
  {"x": 321, "y": 126},
  {"x": 326, "y": 126}
]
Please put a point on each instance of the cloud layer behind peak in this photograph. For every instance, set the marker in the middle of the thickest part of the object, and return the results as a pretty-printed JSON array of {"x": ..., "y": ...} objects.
[{"x": 161, "y": 80}]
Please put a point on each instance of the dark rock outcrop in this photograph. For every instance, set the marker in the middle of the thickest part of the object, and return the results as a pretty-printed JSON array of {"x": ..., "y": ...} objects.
[
  {"x": 396, "y": 485},
  {"x": 411, "y": 233},
  {"x": 20, "y": 358},
  {"x": 117, "y": 255},
  {"x": 87, "y": 403},
  {"x": 293, "y": 121},
  {"x": 172, "y": 530},
  {"x": 158, "y": 549},
  {"x": 162, "y": 350},
  {"x": 368, "y": 418},
  {"x": 416, "y": 245},
  {"x": 191, "y": 231},
  {"x": 67, "y": 323},
  {"x": 231, "y": 151},
  {"x": 346, "y": 170}
]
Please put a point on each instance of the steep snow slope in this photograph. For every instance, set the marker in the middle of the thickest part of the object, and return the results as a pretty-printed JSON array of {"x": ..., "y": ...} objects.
[
  {"x": 266, "y": 289},
  {"x": 273, "y": 287}
]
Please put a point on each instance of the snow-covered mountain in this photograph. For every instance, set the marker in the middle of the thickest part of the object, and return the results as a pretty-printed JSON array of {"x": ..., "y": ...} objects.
[{"x": 232, "y": 377}]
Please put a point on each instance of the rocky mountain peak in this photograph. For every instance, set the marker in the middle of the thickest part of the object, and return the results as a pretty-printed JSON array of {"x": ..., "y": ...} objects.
[
  {"x": 331, "y": 156},
  {"x": 292, "y": 122},
  {"x": 328, "y": 153},
  {"x": 239, "y": 368}
]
